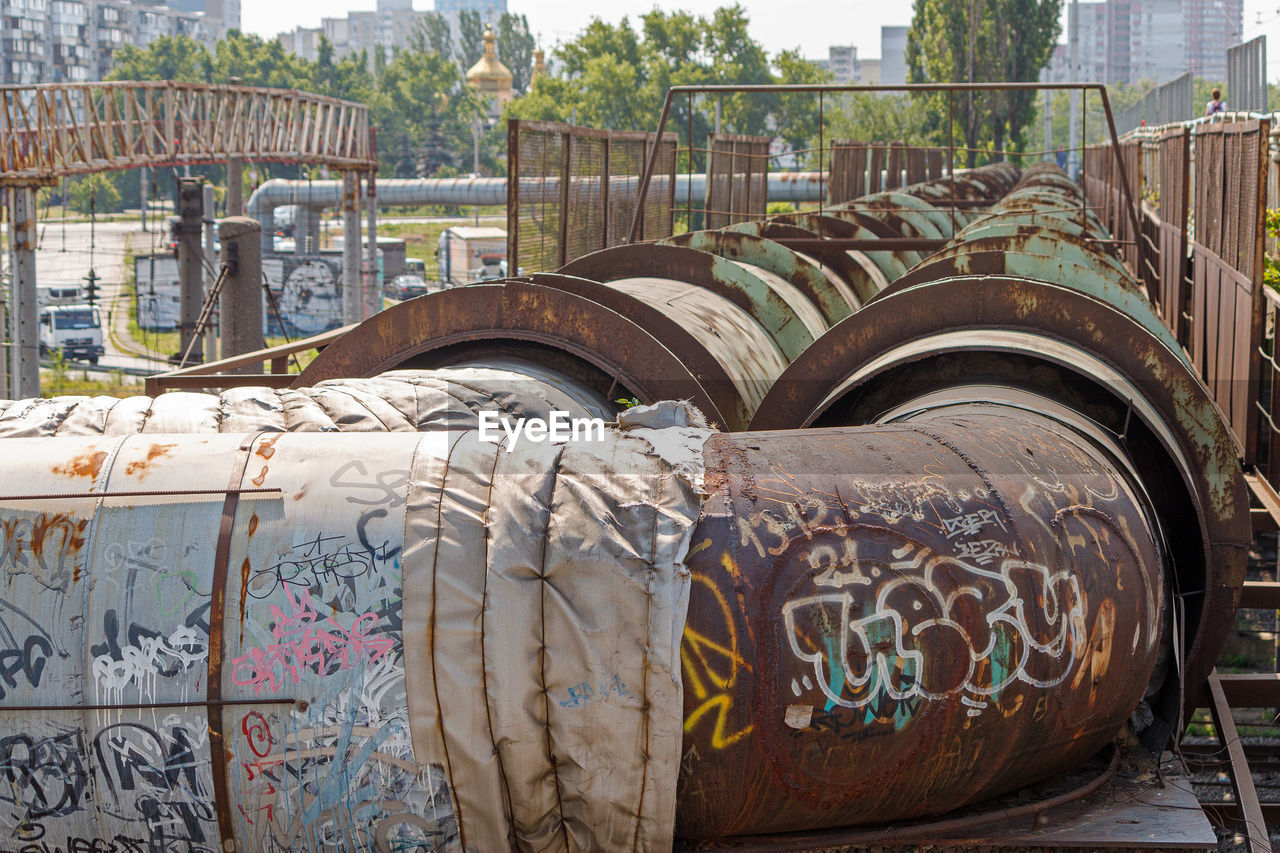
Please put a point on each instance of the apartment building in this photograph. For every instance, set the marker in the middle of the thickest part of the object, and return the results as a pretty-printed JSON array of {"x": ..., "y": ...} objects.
[
  {"x": 389, "y": 26},
  {"x": 72, "y": 41}
]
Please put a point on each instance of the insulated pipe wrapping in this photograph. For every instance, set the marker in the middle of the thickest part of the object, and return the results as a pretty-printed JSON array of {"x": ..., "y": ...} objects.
[
  {"x": 381, "y": 649},
  {"x": 396, "y": 401}
]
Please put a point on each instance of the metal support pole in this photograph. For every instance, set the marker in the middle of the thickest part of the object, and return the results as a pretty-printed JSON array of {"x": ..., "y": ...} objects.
[
  {"x": 190, "y": 277},
  {"x": 241, "y": 298},
  {"x": 351, "y": 302},
  {"x": 6, "y": 303},
  {"x": 209, "y": 267},
  {"x": 373, "y": 290},
  {"x": 24, "y": 319},
  {"x": 235, "y": 186},
  {"x": 1073, "y": 130},
  {"x": 143, "y": 189}
]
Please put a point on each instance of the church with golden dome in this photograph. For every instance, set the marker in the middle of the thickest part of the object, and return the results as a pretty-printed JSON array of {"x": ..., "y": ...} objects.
[{"x": 491, "y": 78}]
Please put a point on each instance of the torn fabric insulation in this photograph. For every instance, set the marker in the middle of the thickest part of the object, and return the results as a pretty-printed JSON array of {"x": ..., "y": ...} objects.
[{"x": 399, "y": 640}]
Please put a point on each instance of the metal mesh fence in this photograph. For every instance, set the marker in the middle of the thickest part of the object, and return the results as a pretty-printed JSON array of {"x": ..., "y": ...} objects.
[
  {"x": 573, "y": 190},
  {"x": 858, "y": 168},
  {"x": 737, "y": 178},
  {"x": 1247, "y": 75}
]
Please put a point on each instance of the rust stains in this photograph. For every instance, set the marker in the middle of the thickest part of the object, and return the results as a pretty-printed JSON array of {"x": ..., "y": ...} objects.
[
  {"x": 267, "y": 447},
  {"x": 139, "y": 467},
  {"x": 244, "y": 587},
  {"x": 86, "y": 464},
  {"x": 262, "y": 476}
]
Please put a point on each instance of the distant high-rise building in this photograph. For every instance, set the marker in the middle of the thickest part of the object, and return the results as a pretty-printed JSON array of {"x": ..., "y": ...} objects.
[
  {"x": 1157, "y": 40},
  {"x": 1211, "y": 27},
  {"x": 388, "y": 27},
  {"x": 1153, "y": 41},
  {"x": 490, "y": 11},
  {"x": 1092, "y": 51},
  {"x": 842, "y": 62},
  {"x": 893, "y": 54},
  {"x": 227, "y": 12}
]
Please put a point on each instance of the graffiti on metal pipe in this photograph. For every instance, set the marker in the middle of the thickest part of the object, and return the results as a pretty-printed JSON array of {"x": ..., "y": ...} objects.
[{"x": 910, "y": 634}]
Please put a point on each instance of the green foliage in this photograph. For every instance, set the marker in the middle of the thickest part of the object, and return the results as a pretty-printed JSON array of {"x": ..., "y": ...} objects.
[
  {"x": 1271, "y": 267},
  {"x": 470, "y": 46},
  {"x": 776, "y": 207},
  {"x": 974, "y": 41},
  {"x": 515, "y": 48},
  {"x": 616, "y": 76},
  {"x": 94, "y": 193}
]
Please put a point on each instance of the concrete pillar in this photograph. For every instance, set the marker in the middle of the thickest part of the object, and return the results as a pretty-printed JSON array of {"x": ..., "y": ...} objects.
[
  {"x": 210, "y": 267},
  {"x": 190, "y": 275},
  {"x": 241, "y": 298},
  {"x": 352, "y": 304},
  {"x": 235, "y": 186},
  {"x": 24, "y": 315},
  {"x": 372, "y": 292},
  {"x": 143, "y": 189}
]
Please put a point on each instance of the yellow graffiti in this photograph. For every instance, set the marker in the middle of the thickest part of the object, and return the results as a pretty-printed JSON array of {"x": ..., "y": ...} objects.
[{"x": 711, "y": 668}]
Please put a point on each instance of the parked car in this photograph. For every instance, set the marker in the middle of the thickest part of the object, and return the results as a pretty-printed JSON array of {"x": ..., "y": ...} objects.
[{"x": 407, "y": 286}]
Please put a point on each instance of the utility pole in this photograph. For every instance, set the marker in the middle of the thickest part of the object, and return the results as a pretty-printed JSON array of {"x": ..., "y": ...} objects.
[
  {"x": 24, "y": 319},
  {"x": 1047, "y": 94},
  {"x": 1073, "y": 111},
  {"x": 372, "y": 293},
  {"x": 210, "y": 262},
  {"x": 190, "y": 279},
  {"x": 352, "y": 304}
]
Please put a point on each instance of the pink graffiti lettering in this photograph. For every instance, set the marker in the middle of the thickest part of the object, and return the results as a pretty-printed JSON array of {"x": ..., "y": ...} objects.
[{"x": 306, "y": 643}]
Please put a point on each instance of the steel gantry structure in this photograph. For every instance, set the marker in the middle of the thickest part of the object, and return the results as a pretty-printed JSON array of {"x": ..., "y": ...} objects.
[{"x": 49, "y": 132}]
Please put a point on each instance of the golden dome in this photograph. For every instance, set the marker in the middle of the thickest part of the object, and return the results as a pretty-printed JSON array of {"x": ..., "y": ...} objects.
[{"x": 489, "y": 72}]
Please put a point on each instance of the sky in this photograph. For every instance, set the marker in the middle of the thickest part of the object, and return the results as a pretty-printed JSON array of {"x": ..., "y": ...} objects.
[{"x": 810, "y": 25}]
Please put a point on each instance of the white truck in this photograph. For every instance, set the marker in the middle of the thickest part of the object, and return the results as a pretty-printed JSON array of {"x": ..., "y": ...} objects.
[{"x": 76, "y": 330}]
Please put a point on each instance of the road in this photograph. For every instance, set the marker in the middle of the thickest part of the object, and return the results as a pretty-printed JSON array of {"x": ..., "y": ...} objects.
[{"x": 64, "y": 255}]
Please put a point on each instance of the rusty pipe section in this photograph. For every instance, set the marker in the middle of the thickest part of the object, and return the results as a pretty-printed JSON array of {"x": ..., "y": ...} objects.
[
  {"x": 223, "y": 640},
  {"x": 1030, "y": 298},
  {"x": 892, "y": 621},
  {"x": 729, "y": 309}
]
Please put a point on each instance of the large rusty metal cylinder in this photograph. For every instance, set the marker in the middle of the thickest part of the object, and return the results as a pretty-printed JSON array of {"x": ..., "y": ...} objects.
[
  {"x": 894, "y": 621},
  {"x": 253, "y": 640}
]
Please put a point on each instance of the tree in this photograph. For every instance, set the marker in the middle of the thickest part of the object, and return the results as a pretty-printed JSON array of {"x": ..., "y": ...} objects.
[
  {"x": 959, "y": 41},
  {"x": 515, "y": 49},
  {"x": 433, "y": 34},
  {"x": 166, "y": 58},
  {"x": 470, "y": 46},
  {"x": 94, "y": 193}
]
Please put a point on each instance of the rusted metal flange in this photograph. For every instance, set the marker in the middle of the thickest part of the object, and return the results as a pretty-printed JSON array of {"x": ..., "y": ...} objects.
[
  {"x": 829, "y": 293},
  {"x": 727, "y": 405},
  {"x": 513, "y": 310},
  {"x": 864, "y": 276},
  {"x": 1070, "y": 347},
  {"x": 789, "y": 319}
]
